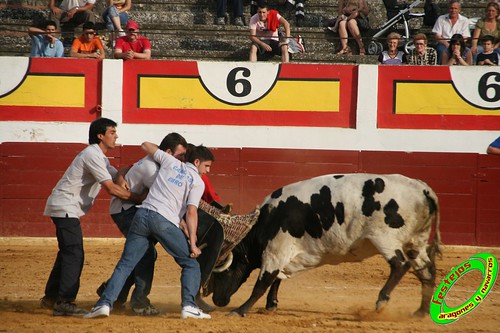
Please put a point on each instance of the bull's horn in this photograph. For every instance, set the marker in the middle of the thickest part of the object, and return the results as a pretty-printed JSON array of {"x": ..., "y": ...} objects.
[{"x": 225, "y": 265}]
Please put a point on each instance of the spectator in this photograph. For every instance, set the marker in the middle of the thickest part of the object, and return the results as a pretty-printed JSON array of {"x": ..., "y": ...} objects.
[
  {"x": 237, "y": 10},
  {"x": 116, "y": 15},
  {"x": 457, "y": 53},
  {"x": 352, "y": 16},
  {"x": 488, "y": 56},
  {"x": 264, "y": 34},
  {"x": 298, "y": 6},
  {"x": 87, "y": 45},
  {"x": 494, "y": 147},
  {"x": 392, "y": 56},
  {"x": 44, "y": 44},
  {"x": 489, "y": 25},
  {"x": 449, "y": 24},
  {"x": 71, "y": 14},
  {"x": 132, "y": 46},
  {"x": 422, "y": 54},
  {"x": 176, "y": 191},
  {"x": 71, "y": 198}
]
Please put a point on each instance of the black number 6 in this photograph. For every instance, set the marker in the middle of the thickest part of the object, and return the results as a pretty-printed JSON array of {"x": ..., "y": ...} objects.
[
  {"x": 483, "y": 87},
  {"x": 232, "y": 82}
]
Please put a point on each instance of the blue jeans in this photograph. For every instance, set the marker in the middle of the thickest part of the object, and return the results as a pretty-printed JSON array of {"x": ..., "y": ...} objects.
[
  {"x": 111, "y": 12},
  {"x": 142, "y": 275},
  {"x": 149, "y": 224},
  {"x": 237, "y": 8},
  {"x": 440, "y": 49}
]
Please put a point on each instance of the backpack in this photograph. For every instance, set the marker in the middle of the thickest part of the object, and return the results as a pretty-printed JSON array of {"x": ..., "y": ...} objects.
[
  {"x": 296, "y": 45},
  {"x": 432, "y": 12}
]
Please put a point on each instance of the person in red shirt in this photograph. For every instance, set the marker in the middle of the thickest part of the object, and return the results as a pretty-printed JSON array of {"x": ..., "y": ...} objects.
[
  {"x": 87, "y": 45},
  {"x": 132, "y": 46}
]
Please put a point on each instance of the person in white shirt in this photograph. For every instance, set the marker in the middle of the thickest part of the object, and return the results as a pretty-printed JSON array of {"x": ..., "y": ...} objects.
[
  {"x": 448, "y": 25},
  {"x": 71, "y": 198},
  {"x": 175, "y": 193},
  {"x": 70, "y": 14}
]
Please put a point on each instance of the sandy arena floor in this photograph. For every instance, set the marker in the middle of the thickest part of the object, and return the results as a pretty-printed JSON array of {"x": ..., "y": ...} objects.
[{"x": 327, "y": 299}]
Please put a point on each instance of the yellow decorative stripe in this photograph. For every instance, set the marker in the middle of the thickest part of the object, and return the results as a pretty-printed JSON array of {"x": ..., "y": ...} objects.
[
  {"x": 188, "y": 93},
  {"x": 434, "y": 98},
  {"x": 46, "y": 90}
]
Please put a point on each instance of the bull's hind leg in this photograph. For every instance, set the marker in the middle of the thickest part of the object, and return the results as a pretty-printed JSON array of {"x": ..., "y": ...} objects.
[
  {"x": 425, "y": 270},
  {"x": 399, "y": 266},
  {"x": 258, "y": 291},
  {"x": 272, "y": 296}
]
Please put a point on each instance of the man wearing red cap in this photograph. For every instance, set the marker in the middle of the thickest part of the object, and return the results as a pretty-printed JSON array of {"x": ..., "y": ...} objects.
[{"x": 132, "y": 46}]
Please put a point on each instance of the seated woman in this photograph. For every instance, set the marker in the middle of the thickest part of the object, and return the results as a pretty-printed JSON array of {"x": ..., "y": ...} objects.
[
  {"x": 457, "y": 53},
  {"x": 352, "y": 16},
  {"x": 116, "y": 15},
  {"x": 392, "y": 56},
  {"x": 488, "y": 25},
  {"x": 422, "y": 54}
]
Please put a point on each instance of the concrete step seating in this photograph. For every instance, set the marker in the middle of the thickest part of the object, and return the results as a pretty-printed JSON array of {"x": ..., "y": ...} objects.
[{"x": 186, "y": 29}]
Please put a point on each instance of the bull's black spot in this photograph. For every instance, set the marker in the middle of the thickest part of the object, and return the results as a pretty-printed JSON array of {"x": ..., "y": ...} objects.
[
  {"x": 321, "y": 204},
  {"x": 338, "y": 176},
  {"x": 339, "y": 213},
  {"x": 392, "y": 217},
  {"x": 297, "y": 218},
  {"x": 369, "y": 189},
  {"x": 276, "y": 194},
  {"x": 431, "y": 202}
]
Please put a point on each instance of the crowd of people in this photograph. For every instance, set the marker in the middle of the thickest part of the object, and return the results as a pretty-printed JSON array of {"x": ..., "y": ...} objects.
[{"x": 270, "y": 33}]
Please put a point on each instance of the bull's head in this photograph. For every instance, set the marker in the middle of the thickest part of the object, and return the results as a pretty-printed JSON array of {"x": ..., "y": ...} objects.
[{"x": 224, "y": 283}]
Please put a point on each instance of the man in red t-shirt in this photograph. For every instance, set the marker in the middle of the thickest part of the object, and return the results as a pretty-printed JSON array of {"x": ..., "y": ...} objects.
[{"x": 132, "y": 46}]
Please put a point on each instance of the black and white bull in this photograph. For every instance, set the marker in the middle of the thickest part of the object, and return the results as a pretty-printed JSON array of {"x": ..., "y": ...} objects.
[{"x": 333, "y": 219}]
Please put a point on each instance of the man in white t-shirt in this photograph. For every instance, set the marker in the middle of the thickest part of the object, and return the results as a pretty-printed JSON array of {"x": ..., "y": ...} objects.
[
  {"x": 140, "y": 177},
  {"x": 264, "y": 35},
  {"x": 176, "y": 192},
  {"x": 71, "y": 198},
  {"x": 449, "y": 24},
  {"x": 71, "y": 14}
]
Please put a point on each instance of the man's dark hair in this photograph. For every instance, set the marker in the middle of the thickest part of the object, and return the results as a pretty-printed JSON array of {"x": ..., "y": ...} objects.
[
  {"x": 200, "y": 152},
  {"x": 88, "y": 26},
  {"x": 99, "y": 126},
  {"x": 171, "y": 141},
  {"x": 47, "y": 23},
  {"x": 262, "y": 4}
]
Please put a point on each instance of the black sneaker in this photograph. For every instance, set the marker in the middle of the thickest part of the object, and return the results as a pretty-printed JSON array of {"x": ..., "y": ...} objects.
[
  {"x": 47, "y": 303},
  {"x": 68, "y": 309}
]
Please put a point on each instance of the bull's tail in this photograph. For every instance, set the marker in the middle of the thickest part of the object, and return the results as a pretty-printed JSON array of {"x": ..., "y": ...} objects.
[{"x": 435, "y": 245}]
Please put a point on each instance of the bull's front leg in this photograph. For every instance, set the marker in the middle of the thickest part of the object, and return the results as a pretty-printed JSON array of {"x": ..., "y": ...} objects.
[
  {"x": 272, "y": 296},
  {"x": 258, "y": 291},
  {"x": 398, "y": 270}
]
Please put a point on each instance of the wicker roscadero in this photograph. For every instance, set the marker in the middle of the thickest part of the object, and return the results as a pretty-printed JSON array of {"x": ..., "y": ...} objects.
[{"x": 235, "y": 227}]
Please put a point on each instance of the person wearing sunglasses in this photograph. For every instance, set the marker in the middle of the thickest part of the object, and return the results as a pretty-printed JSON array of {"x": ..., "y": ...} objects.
[
  {"x": 132, "y": 46},
  {"x": 422, "y": 54},
  {"x": 87, "y": 45}
]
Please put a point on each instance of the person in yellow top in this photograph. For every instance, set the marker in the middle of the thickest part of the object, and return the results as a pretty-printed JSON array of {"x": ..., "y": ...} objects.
[{"x": 87, "y": 45}]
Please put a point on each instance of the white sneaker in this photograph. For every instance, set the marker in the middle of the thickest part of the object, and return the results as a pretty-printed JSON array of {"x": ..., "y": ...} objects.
[
  {"x": 192, "y": 312},
  {"x": 98, "y": 312}
]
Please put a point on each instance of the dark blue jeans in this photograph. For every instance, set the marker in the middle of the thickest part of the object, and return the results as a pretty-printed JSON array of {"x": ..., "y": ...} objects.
[
  {"x": 64, "y": 280},
  {"x": 142, "y": 275}
]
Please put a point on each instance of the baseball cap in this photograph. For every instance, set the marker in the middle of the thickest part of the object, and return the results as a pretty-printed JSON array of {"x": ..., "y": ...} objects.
[{"x": 132, "y": 25}]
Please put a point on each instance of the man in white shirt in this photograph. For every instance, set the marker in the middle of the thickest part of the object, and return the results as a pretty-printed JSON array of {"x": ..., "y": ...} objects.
[
  {"x": 71, "y": 198},
  {"x": 176, "y": 192},
  {"x": 71, "y": 14},
  {"x": 140, "y": 177},
  {"x": 449, "y": 24}
]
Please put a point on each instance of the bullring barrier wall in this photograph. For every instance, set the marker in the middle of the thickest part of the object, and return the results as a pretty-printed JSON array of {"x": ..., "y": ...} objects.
[{"x": 269, "y": 125}]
